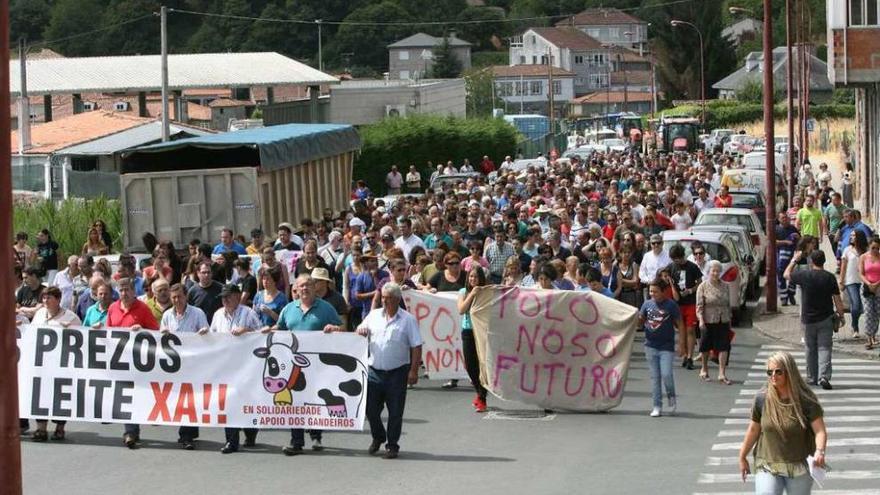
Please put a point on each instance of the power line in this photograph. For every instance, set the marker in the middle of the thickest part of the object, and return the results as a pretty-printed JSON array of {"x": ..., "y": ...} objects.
[
  {"x": 87, "y": 33},
  {"x": 406, "y": 23}
]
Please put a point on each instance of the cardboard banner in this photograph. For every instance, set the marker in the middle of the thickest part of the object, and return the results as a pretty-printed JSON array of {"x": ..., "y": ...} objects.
[
  {"x": 278, "y": 380},
  {"x": 555, "y": 349},
  {"x": 440, "y": 326}
]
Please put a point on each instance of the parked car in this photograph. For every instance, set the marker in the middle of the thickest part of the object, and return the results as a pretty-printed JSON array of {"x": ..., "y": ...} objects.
[
  {"x": 582, "y": 152},
  {"x": 745, "y": 245},
  {"x": 739, "y": 144},
  {"x": 441, "y": 180},
  {"x": 392, "y": 200},
  {"x": 738, "y": 216},
  {"x": 722, "y": 247},
  {"x": 615, "y": 145},
  {"x": 715, "y": 141}
]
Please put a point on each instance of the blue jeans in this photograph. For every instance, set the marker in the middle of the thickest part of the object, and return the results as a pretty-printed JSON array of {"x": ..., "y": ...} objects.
[
  {"x": 854, "y": 291},
  {"x": 767, "y": 483},
  {"x": 660, "y": 366},
  {"x": 387, "y": 389}
]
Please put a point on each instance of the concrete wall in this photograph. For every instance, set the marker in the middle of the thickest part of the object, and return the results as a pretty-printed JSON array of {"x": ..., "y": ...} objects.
[
  {"x": 415, "y": 65},
  {"x": 364, "y": 104},
  {"x": 220, "y": 116}
]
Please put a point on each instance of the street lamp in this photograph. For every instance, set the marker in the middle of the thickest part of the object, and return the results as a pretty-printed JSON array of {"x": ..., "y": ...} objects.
[{"x": 676, "y": 23}]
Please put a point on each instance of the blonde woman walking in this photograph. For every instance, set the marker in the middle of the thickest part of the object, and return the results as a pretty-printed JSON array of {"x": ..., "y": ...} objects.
[{"x": 786, "y": 428}]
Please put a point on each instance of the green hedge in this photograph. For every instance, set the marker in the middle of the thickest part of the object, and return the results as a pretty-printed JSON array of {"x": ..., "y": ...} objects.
[
  {"x": 724, "y": 114},
  {"x": 67, "y": 220},
  {"x": 415, "y": 140}
]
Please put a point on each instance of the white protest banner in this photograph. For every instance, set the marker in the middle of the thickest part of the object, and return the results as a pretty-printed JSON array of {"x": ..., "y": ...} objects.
[
  {"x": 555, "y": 349},
  {"x": 281, "y": 379},
  {"x": 440, "y": 326}
]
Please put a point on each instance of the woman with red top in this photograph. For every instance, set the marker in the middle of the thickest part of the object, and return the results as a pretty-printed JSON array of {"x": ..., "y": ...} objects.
[{"x": 869, "y": 272}]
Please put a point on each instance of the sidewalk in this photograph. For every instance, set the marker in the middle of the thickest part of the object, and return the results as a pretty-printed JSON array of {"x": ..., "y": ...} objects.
[{"x": 785, "y": 326}]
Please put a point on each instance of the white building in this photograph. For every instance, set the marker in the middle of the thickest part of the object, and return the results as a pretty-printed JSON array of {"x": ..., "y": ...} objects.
[{"x": 525, "y": 88}]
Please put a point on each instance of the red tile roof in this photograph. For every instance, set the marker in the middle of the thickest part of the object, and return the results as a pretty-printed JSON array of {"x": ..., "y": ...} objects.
[
  {"x": 58, "y": 134},
  {"x": 600, "y": 17}
]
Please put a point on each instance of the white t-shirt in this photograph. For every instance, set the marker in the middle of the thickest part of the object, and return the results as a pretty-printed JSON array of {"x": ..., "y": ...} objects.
[
  {"x": 852, "y": 266},
  {"x": 64, "y": 317},
  {"x": 682, "y": 221}
]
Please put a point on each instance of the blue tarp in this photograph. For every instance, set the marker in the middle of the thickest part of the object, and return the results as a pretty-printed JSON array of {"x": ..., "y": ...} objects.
[{"x": 271, "y": 148}]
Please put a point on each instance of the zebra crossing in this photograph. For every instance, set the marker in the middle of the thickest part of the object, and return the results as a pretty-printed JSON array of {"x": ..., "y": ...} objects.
[{"x": 852, "y": 418}]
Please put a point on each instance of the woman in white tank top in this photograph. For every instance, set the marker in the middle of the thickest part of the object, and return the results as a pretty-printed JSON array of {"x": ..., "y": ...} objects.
[{"x": 849, "y": 279}]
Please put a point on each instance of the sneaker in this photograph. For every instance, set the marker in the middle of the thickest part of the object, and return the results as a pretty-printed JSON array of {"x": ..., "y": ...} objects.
[
  {"x": 188, "y": 445},
  {"x": 129, "y": 441},
  {"x": 655, "y": 413},
  {"x": 374, "y": 447},
  {"x": 476, "y": 400},
  {"x": 825, "y": 384},
  {"x": 684, "y": 362},
  {"x": 292, "y": 450},
  {"x": 480, "y": 406},
  {"x": 317, "y": 446},
  {"x": 228, "y": 448},
  {"x": 390, "y": 454},
  {"x": 672, "y": 405},
  {"x": 450, "y": 384}
]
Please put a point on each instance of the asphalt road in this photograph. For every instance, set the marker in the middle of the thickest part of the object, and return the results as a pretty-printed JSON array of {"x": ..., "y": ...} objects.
[{"x": 446, "y": 448}]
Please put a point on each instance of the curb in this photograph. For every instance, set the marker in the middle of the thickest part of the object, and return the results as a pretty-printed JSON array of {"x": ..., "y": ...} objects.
[{"x": 859, "y": 353}]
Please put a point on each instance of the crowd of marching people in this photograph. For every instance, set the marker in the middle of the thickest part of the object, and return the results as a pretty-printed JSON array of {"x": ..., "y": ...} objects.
[{"x": 594, "y": 225}]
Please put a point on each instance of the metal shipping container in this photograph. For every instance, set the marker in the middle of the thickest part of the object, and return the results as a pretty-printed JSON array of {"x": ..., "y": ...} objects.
[{"x": 180, "y": 206}]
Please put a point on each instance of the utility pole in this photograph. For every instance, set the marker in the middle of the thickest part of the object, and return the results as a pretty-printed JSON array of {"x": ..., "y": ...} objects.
[
  {"x": 10, "y": 432},
  {"x": 166, "y": 123},
  {"x": 789, "y": 165},
  {"x": 320, "y": 47},
  {"x": 24, "y": 102},
  {"x": 550, "y": 88},
  {"x": 769, "y": 165}
]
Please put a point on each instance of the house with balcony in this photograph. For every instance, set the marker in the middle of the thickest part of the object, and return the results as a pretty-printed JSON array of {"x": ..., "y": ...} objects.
[
  {"x": 853, "y": 51},
  {"x": 568, "y": 49},
  {"x": 525, "y": 88},
  {"x": 611, "y": 27},
  {"x": 413, "y": 57}
]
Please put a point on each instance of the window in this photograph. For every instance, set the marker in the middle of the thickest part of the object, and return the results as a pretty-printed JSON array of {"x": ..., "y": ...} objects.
[
  {"x": 533, "y": 40},
  {"x": 557, "y": 87},
  {"x": 863, "y": 12},
  {"x": 598, "y": 59},
  {"x": 536, "y": 88},
  {"x": 599, "y": 80},
  {"x": 522, "y": 59},
  {"x": 404, "y": 74},
  {"x": 518, "y": 88},
  {"x": 579, "y": 81},
  {"x": 579, "y": 59},
  {"x": 534, "y": 59},
  {"x": 504, "y": 89},
  {"x": 403, "y": 55},
  {"x": 593, "y": 33},
  {"x": 613, "y": 33}
]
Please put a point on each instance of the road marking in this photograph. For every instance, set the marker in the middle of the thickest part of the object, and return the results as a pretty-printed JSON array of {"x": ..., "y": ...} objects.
[
  {"x": 849, "y": 383},
  {"x": 832, "y": 475},
  {"x": 836, "y": 375},
  {"x": 838, "y": 391},
  {"x": 867, "y": 491},
  {"x": 831, "y": 429},
  {"x": 833, "y": 442},
  {"x": 843, "y": 367},
  {"x": 831, "y": 419},
  {"x": 826, "y": 400},
  {"x": 833, "y": 457},
  {"x": 748, "y": 410}
]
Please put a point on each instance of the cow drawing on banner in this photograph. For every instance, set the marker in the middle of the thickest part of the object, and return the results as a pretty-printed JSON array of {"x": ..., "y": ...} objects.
[{"x": 285, "y": 376}]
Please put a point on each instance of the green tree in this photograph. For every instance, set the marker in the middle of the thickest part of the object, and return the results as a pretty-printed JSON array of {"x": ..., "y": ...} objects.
[
  {"x": 480, "y": 98},
  {"x": 220, "y": 34},
  {"x": 446, "y": 65},
  {"x": 73, "y": 17},
  {"x": 132, "y": 38},
  {"x": 368, "y": 44},
  {"x": 484, "y": 35},
  {"x": 27, "y": 18}
]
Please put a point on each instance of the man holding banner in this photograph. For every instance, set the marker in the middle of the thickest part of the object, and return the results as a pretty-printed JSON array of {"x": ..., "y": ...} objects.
[
  {"x": 395, "y": 354},
  {"x": 130, "y": 312}
]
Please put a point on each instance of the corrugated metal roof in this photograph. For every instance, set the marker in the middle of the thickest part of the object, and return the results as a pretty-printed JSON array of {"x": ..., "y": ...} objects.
[
  {"x": 143, "y": 73},
  {"x": 130, "y": 138},
  {"x": 271, "y": 148}
]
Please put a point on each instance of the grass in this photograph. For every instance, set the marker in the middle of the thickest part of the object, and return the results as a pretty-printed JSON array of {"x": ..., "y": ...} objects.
[
  {"x": 67, "y": 220},
  {"x": 838, "y": 131}
]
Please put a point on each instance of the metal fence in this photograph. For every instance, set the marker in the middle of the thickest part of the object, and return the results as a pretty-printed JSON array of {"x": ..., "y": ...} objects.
[
  {"x": 531, "y": 147},
  {"x": 29, "y": 177},
  {"x": 92, "y": 184}
]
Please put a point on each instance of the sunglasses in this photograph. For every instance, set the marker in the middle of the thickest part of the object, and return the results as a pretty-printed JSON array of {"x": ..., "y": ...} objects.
[
  {"x": 777, "y": 372},
  {"x": 656, "y": 243},
  {"x": 452, "y": 263},
  {"x": 698, "y": 253}
]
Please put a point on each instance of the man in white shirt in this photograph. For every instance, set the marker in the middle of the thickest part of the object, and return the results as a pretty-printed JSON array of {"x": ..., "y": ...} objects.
[
  {"x": 233, "y": 317},
  {"x": 413, "y": 180},
  {"x": 407, "y": 240},
  {"x": 395, "y": 354},
  {"x": 184, "y": 318},
  {"x": 65, "y": 280},
  {"x": 394, "y": 180},
  {"x": 653, "y": 261}
]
